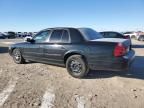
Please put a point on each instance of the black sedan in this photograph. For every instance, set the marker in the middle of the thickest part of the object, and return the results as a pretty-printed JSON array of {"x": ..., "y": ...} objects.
[{"x": 77, "y": 49}]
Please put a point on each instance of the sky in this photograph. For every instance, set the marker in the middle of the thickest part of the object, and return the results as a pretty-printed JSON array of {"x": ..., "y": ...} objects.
[{"x": 101, "y": 15}]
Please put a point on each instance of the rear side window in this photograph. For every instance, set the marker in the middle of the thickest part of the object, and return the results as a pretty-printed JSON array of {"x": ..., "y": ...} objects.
[
  {"x": 56, "y": 36},
  {"x": 113, "y": 35},
  {"x": 65, "y": 36},
  {"x": 61, "y": 36}
]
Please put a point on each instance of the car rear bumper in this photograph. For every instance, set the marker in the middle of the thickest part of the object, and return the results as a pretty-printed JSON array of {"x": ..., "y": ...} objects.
[
  {"x": 119, "y": 64},
  {"x": 127, "y": 60}
]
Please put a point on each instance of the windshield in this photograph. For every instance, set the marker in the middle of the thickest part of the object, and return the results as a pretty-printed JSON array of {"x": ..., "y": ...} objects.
[{"x": 90, "y": 34}]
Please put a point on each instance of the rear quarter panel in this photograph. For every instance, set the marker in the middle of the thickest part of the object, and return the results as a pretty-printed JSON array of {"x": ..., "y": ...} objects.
[{"x": 100, "y": 55}]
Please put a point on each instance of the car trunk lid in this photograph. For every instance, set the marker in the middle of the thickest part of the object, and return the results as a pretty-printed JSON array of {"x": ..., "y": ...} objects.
[{"x": 122, "y": 46}]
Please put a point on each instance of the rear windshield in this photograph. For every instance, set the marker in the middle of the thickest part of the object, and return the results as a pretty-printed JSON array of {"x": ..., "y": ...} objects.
[{"x": 90, "y": 34}]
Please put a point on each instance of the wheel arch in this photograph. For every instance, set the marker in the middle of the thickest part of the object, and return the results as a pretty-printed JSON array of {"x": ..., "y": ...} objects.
[
  {"x": 13, "y": 48},
  {"x": 68, "y": 54}
]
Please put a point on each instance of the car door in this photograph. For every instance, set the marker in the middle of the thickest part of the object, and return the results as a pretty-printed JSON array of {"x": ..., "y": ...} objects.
[
  {"x": 34, "y": 50},
  {"x": 57, "y": 46}
]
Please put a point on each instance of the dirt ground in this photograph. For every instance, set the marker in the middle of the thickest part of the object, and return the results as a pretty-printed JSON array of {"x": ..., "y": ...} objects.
[{"x": 36, "y": 85}]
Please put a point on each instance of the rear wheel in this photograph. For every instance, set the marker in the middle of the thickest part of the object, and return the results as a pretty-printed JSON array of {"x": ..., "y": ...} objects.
[
  {"x": 77, "y": 66},
  {"x": 17, "y": 56}
]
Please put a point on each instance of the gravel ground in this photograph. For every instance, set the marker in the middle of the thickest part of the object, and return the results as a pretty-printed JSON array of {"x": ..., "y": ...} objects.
[{"x": 29, "y": 84}]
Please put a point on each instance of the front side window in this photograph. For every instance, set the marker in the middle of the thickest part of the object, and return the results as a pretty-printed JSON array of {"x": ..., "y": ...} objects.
[{"x": 41, "y": 36}]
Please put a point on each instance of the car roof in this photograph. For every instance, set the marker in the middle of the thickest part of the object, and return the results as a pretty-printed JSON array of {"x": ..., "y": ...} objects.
[
  {"x": 60, "y": 28},
  {"x": 66, "y": 28}
]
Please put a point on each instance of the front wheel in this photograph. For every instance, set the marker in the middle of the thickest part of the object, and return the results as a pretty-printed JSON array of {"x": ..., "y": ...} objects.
[
  {"x": 17, "y": 56},
  {"x": 77, "y": 66}
]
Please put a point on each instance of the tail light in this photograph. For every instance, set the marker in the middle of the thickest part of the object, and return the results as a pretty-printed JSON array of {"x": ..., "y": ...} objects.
[{"x": 120, "y": 50}]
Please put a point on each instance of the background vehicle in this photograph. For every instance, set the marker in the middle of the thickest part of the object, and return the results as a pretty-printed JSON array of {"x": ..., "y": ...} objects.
[
  {"x": 19, "y": 34},
  {"x": 111, "y": 34},
  {"x": 24, "y": 34},
  {"x": 77, "y": 49},
  {"x": 2, "y": 36},
  {"x": 132, "y": 35},
  {"x": 11, "y": 35},
  {"x": 141, "y": 38}
]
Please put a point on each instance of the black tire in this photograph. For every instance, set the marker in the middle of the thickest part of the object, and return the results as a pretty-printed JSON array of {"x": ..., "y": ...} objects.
[
  {"x": 77, "y": 66},
  {"x": 17, "y": 56}
]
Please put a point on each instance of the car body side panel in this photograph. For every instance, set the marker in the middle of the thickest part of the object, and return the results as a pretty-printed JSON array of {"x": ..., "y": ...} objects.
[
  {"x": 32, "y": 51},
  {"x": 98, "y": 53},
  {"x": 53, "y": 53}
]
